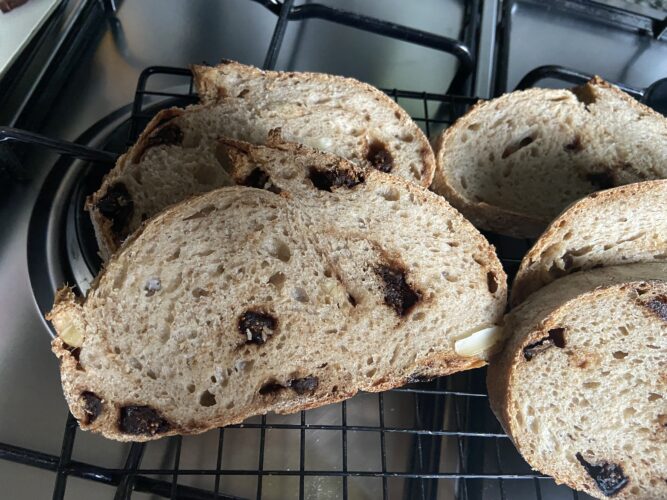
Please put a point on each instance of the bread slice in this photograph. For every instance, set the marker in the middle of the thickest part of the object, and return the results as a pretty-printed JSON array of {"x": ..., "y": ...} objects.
[
  {"x": 618, "y": 226},
  {"x": 581, "y": 386},
  {"x": 512, "y": 164},
  {"x": 332, "y": 279},
  {"x": 174, "y": 156}
]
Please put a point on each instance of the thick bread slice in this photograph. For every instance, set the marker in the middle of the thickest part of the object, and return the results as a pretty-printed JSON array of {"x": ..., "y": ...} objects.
[
  {"x": 618, "y": 226},
  {"x": 513, "y": 163},
  {"x": 173, "y": 158},
  {"x": 581, "y": 386},
  {"x": 332, "y": 280}
]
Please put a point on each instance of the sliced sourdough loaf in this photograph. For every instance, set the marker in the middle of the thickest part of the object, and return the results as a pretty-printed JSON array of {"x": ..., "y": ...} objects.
[
  {"x": 581, "y": 385},
  {"x": 618, "y": 226},
  {"x": 174, "y": 156},
  {"x": 332, "y": 279},
  {"x": 513, "y": 163}
]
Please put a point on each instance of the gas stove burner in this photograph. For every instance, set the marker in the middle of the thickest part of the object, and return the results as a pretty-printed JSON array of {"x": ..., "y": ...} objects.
[{"x": 62, "y": 248}]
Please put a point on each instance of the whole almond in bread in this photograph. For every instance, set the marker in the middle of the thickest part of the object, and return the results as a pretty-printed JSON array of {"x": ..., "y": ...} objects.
[
  {"x": 174, "y": 156},
  {"x": 321, "y": 280},
  {"x": 581, "y": 386},
  {"x": 617, "y": 226},
  {"x": 512, "y": 164}
]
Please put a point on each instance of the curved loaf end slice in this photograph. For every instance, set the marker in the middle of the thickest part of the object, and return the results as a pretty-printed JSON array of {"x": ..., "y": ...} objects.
[
  {"x": 581, "y": 386},
  {"x": 618, "y": 226},
  {"x": 332, "y": 279},
  {"x": 330, "y": 113},
  {"x": 513, "y": 163},
  {"x": 174, "y": 158}
]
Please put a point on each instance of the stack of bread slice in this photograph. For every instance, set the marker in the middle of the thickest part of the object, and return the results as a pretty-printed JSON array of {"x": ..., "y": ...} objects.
[
  {"x": 312, "y": 279},
  {"x": 174, "y": 158},
  {"x": 581, "y": 385}
]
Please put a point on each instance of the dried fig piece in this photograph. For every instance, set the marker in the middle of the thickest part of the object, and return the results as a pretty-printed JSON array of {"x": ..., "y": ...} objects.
[
  {"x": 256, "y": 326},
  {"x": 609, "y": 477},
  {"x": 92, "y": 406},
  {"x": 326, "y": 180},
  {"x": 138, "y": 420},
  {"x": 117, "y": 206},
  {"x": 398, "y": 294},
  {"x": 556, "y": 337},
  {"x": 379, "y": 157},
  {"x": 304, "y": 385}
]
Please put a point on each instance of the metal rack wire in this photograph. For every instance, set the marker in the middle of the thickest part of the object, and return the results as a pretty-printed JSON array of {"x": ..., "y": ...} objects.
[{"x": 455, "y": 447}]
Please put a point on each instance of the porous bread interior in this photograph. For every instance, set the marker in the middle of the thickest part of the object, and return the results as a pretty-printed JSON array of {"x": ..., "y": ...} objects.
[
  {"x": 518, "y": 160},
  {"x": 308, "y": 257},
  {"x": 618, "y": 226},
  {"x": 332, "y": 114},
  {"x": 604, "y": 394}
]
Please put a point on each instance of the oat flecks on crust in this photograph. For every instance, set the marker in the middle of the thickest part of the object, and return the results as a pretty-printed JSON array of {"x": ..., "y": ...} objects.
[{"x": 302, "y": 275}]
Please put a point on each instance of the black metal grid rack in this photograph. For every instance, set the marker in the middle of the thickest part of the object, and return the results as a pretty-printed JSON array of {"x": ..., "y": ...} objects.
[{"x": 434, "y": 439}]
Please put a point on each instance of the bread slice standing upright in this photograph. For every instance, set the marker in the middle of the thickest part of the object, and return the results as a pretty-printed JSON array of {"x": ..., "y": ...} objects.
[
  {"x": 512, "y": 164},
  {"x": 174, "y": 156},
  {"x": 322, "y": 280},
  {"x": 581, "y": 385},
  {"x": 617, "y": 226}
]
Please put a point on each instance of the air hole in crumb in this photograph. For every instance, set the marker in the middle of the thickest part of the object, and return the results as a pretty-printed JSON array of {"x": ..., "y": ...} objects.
[
  {"x": 191, "y": 388},
  {"x": 390, "y": 194},
  {"x": 116, "y": 350},
  {"x": 491, "y": 282},
  {"x": 652, "y": 396},
  {"x": 280, "y": 250},
  {"x": 214, "y": 379},
  {"x": 207, "y": 399},
  {"x": 512, "y": 148},
  {"x": 620, "y": 355},
  {"x": 277, "y": 280},
  {"x": 199, "y": 292},
  {"x": 151, "y": 374},
  {"x": 591, "y": 385},
  {"x": 300, "y": 295}
]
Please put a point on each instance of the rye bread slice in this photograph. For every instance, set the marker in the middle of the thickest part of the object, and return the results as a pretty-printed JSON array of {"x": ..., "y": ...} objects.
[
  {"x": 324, "y": 280},
  {"x": 174, "y": 158},
  {"x": 512, "y": 164},
  {"x": 581, "y": 386}
]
